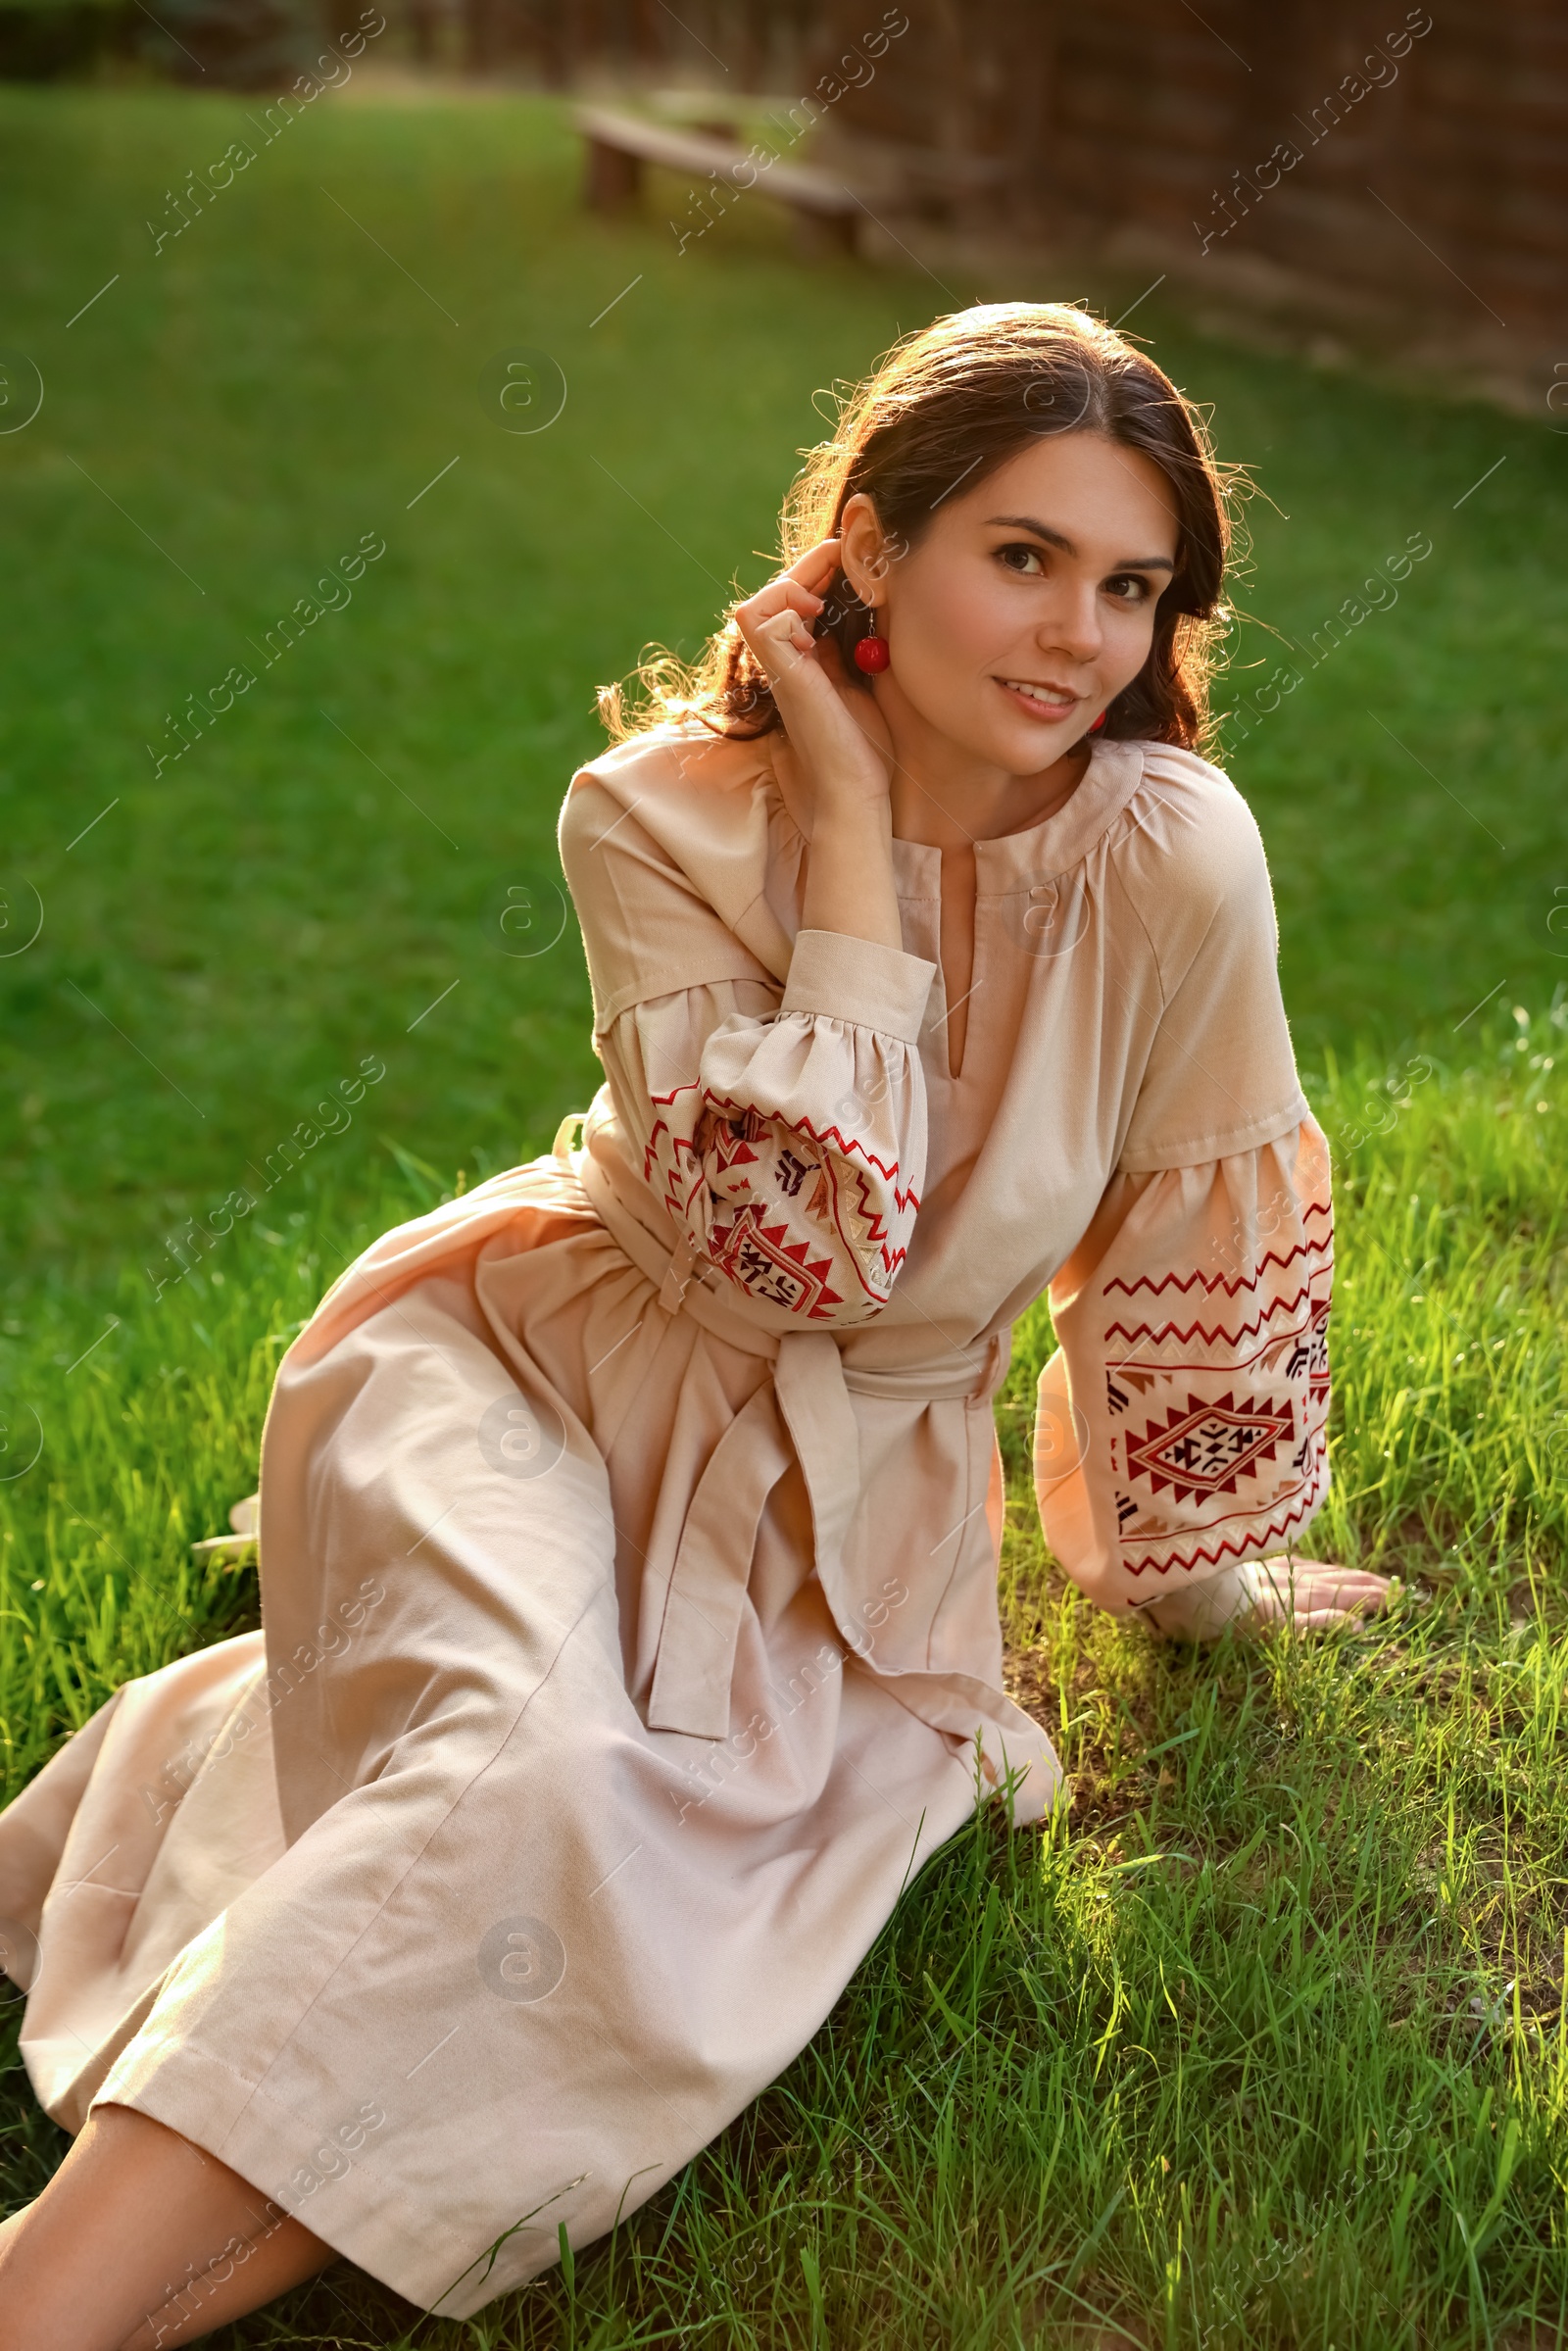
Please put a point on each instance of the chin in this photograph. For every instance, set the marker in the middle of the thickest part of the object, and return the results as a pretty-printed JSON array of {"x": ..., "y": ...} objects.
[
  {"x": 1029, "y": 746},
  {"x": 1022, "y": 745}
]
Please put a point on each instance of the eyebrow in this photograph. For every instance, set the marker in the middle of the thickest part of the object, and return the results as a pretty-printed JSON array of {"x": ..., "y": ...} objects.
[{"x": 1057, "y": 538}]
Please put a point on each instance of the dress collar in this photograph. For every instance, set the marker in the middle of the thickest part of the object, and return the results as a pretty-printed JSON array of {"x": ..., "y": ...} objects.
[{"x": 1039, "y": 851}]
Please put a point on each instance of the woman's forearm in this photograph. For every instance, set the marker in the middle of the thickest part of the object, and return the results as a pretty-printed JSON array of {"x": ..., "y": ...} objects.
[{"x": 848, "y": 875}]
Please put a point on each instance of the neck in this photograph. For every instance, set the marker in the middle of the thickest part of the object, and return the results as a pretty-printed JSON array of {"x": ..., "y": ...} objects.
[{"x": 945, "y": 798}]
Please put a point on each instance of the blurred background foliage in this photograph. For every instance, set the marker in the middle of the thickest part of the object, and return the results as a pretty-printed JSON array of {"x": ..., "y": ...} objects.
[{"x": 238, "y": 44}]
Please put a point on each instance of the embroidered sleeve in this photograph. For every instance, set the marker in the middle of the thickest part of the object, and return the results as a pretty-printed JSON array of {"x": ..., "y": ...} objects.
[
  {"x": 788, "y": 1139},
  {"x": 1181, "y": 1426}
]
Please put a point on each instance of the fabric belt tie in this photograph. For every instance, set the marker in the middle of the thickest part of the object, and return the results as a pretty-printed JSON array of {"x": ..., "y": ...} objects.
[
  {"x": 696, "y": 1661},
  {"x": 804, "y": 1413},
  {"x": 805, "y": 1405}
]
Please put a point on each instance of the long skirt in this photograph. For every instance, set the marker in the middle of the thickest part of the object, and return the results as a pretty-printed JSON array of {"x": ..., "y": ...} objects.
[{"x": 400, "y": 1907}]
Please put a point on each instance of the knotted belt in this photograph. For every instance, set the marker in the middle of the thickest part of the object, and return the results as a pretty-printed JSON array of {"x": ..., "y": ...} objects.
[
  {"x": 802, "y": 1414},
  {"x": 805, "y": 1408}
]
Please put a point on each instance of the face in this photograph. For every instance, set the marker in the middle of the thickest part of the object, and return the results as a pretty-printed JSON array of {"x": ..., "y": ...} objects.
[{"x": 1028, "y": 604}]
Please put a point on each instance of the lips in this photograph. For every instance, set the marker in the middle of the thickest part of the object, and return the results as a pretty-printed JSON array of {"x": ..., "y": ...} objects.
[{"x": 1041, "y": 701}]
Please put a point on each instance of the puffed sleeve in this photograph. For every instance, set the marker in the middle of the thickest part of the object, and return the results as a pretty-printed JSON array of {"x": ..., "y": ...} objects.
[
  {"x": 781, "y": 1125},
  {"x": 787, "y": 1138},
  {"x": 1181, "y": 1426}
]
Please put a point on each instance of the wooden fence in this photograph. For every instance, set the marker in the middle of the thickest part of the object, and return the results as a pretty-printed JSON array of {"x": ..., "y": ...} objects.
[
  {"x": 1416, "y": 158},
  {"x": 1389, "y": 163}
]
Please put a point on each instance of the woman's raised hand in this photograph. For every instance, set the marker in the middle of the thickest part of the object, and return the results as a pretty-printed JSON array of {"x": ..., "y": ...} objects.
[
  {"x": 843, "y": 750},
  {"x": 836, "y": 730}
]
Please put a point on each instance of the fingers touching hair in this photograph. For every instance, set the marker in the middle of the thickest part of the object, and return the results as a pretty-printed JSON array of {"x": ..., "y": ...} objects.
[{"x": 946, "y": 406}]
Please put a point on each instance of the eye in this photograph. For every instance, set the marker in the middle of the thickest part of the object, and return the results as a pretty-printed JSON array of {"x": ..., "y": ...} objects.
[
  {"x": 1018, "y": 556},
  {"x": 1128, "y": 587}
]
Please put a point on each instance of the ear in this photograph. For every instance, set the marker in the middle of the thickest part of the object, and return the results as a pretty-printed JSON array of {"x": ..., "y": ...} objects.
[{"x": 865, "y": 552}]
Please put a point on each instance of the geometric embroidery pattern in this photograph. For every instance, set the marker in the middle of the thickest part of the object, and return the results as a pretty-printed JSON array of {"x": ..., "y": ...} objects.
[
  {"x": 1202, "y": 1447},
  {"x": 783, "y": 1212},
  {"x": 788, "y": 1212},
  {"x": 1215, "y": 1420},
  {"x": 770, "y": 1262}
]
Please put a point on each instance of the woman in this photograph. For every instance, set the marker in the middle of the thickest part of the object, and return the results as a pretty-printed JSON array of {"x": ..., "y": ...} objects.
[{"x": 629, "y": 1526}]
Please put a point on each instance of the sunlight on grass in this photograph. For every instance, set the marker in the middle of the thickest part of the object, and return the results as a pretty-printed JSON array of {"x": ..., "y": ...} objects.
[{"x": 1265, "y": 2040}]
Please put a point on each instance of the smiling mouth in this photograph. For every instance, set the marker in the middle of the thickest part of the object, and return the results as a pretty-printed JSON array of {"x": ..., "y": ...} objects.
[{"x": 1052, "y": 701}]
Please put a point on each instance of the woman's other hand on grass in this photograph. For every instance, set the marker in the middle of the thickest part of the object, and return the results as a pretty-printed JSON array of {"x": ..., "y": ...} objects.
[{"x": 1313, "y": 1596}]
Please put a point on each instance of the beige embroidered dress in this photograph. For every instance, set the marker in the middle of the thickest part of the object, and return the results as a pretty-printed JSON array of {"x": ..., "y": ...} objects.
[{"x": 628, "y": 1525}]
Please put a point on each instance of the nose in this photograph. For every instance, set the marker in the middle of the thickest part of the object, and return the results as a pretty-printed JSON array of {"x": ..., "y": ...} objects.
[{"x": 1072, "y": 625}]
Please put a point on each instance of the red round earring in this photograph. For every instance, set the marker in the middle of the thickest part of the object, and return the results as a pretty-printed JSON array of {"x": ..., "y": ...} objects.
[
  {"x": 871, "y": 653},
  {"x": 1099, "y": 723}
]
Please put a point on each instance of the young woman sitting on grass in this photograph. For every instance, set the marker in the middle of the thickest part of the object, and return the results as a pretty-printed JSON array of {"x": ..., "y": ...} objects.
[{"x": 629, "y": 1526}]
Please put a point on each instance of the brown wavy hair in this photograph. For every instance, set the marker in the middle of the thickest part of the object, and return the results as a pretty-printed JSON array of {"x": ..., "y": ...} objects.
[{"x": 949, "y": 404}]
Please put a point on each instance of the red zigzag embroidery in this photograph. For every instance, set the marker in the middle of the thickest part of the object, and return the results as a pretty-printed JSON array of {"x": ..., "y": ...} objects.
[
  {"x": 1233, "y": 1551},
  {"x": 1247, "y": 1329},
  {"x": 1210, "y": 1283}
]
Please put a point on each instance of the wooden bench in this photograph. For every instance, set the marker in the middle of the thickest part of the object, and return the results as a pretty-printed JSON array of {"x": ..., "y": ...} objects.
[
  {"x": 826, "y": 211},
  {"x": 933, "y": 183}
]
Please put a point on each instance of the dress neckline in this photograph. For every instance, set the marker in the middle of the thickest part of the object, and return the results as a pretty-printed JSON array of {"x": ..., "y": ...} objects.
[
  {"x": 1054, "y": 845},
  {"x": 1051, "y": 844}
]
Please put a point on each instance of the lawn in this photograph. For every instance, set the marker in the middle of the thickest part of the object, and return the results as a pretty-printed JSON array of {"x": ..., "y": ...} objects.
[{"x": 1268, "y": 2044}]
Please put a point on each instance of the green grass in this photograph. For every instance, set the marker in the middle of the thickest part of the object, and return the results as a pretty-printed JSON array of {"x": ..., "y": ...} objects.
[{"x": 1267, "y": 2044}]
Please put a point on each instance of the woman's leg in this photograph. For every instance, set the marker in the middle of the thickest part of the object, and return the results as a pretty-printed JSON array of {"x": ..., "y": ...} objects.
[{"x": 142, "y": 2239}]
